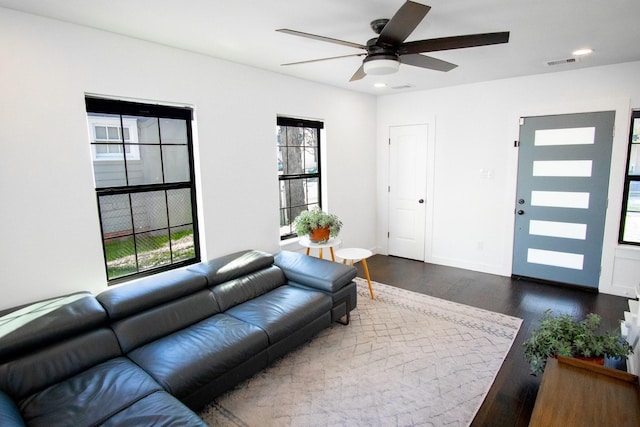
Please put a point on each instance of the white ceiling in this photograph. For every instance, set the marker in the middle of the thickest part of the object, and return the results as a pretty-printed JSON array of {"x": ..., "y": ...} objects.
[{"x": 244, "y": 32}]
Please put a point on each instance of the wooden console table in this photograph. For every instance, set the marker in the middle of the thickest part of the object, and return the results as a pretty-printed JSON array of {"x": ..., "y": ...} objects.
[{"x": 578, "y": 393}]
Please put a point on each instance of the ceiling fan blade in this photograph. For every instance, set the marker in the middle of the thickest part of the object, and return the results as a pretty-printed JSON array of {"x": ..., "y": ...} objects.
[
  {"x": 358, "y": 75},
  {"x": 455, "y": 42},
  {"x": 403, "y": 23},
  {"x": 423, "y": 61},
  {"x": 321, "y": 38},
  {"x": 323, "y": 59}
]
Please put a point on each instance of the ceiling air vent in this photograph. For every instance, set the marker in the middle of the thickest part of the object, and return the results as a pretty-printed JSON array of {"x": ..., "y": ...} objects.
[
  {"x": 562, "y": 61},
  {"x": 402, "y": 87}
]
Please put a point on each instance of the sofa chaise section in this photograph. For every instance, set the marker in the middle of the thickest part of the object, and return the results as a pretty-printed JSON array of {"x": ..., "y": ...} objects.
[
  {"x": 330, "y": 278},
  {"x": 60, "y": 364}
]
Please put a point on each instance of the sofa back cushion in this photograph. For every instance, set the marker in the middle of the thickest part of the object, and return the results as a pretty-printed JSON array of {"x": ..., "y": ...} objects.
[
  {"x": 160, "y": 321},
  {"x": 37, "y": 325},
  {"x": 252, "y": 285},
  {"x": 31, "y": 373},
  {"x": 135, "y": 297},
  {"x": 232, "y": 266}
]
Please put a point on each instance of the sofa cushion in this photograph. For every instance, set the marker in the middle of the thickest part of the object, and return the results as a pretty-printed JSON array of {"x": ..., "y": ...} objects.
[
  {"x": 159, "y": 409},
  {"x": 245, "y": 288},
  {"x": 195, "y": 356},
  {"x": 163, "y": 320},
  {"x": 90, "y": 397},
  {"x": 31, "y": 373},
  {"x": 314, "y": 272},
  {"x": 283, "y": 311},
  {"x": 9, "y": 412},
  {"x": 39, "y": 324},
  {"x": 232, "y": 266},
  {"x": 133, "y": 297}
]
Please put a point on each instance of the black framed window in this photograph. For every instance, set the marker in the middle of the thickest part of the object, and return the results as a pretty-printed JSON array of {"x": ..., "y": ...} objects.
[
  {"x": 299, "y": 171},
  {"x": 142, "y": 158},
  {"x": 630, "y": 222}
]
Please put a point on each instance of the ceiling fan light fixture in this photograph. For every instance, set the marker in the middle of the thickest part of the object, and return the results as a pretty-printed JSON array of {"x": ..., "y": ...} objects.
[
  {"x": 379, "y": 67},
  {"x": 582, "y": 52}
]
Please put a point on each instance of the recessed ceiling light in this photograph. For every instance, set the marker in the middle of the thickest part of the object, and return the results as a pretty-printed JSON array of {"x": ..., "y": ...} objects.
[
  {"x": 582, "y": 52},
  {"x": 379, "y": 85}
]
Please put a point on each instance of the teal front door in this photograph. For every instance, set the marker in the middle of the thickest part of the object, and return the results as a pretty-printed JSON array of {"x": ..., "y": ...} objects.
[{"x": 561, "y": 198}]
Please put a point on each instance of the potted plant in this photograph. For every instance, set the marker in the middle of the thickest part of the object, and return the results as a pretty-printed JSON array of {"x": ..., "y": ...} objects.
[
  {"x": 565, "y": 336},
  {"x": 317, "y": 224}
]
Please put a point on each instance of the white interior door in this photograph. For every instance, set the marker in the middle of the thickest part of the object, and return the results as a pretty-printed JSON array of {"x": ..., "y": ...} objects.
[{"x": 407, "y": 190}]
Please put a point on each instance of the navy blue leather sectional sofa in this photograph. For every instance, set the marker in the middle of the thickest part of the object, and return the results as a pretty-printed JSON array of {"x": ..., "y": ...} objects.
[{"x": 152, "y": 351}]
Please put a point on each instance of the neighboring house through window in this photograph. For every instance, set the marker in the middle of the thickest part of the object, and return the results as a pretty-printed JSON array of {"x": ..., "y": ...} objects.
[
  {"x": 630, "y": 223},
  {"x": 143, "y": 171},
  {"x": 299, "y": 172}
]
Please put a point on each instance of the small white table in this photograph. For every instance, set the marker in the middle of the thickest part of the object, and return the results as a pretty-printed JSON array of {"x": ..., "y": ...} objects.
[
  {"x": 357, "y": 254},
  {"x": 304, "y": 241}
]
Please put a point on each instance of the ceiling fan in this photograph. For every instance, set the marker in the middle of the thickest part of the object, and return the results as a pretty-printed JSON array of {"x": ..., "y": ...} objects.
[{"x": 385, "y": 53}]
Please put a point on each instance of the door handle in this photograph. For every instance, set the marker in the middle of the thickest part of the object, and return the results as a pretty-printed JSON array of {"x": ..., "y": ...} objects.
[
  {"x": 421, "y": 201},
  {"x": 520, "y": 212}
]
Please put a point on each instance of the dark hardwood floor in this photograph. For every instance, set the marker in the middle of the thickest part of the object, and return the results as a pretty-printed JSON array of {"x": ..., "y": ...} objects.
[{"x": 512, "y": 396}]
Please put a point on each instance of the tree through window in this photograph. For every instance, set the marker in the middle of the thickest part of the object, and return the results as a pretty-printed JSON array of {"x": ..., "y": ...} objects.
[{"x": 298, "y": 144}]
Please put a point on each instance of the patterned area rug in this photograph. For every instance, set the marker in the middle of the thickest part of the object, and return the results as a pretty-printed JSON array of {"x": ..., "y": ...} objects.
[{"x": 406, "y": 359}]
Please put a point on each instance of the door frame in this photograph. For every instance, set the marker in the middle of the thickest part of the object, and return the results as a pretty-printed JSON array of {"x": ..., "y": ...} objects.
[{"x": 622, "y": 108}]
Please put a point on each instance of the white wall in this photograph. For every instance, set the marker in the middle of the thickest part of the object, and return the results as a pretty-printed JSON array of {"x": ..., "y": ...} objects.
[
  {"x": 49, "y": 230},
  {"x": 470, "y": 217}
]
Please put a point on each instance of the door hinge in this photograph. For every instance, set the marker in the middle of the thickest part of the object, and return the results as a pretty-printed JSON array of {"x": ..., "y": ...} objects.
[
  {"x": 388, "y": 234},
  {"x": 389, "y": 141},
  {"x": 516, "y": 144},
  {"x": 389, "y": 189}
]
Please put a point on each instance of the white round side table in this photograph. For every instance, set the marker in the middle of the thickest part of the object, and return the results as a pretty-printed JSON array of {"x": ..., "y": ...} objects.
[
  {"x": 357, "y": 254},
  {"x": 304, "y": 241}
]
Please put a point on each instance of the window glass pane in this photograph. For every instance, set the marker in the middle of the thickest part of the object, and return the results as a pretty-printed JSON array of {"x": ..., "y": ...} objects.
[
  {"x": 176, "y": 163},
  {"x": 109, "y": 174},
  {"x": 182, "y": 244},
  {"x": 282, "y": 159},
  {"x": 634, "y": 149},
  {"x": 173, "y": 131},
  {"x": 296, "y": 194},
  {"x": 310, "y": 136},
  {"x": 101, "y": 133},
  {"x": 144, "y": 165},
  {"x": 113, "y": 133},
  {"x": 121, "y": 257},
  {"x": 115, "y": 213},
  {"x": 313, "y": 191},
  {"x": 179, "y": 207},
  {"x": 146, "y": 128},
  {"x": 149, "y": 211},
  {"x": 153, "y": 249},
  {"x": 310, "y": 160},
  {"x": 632, "y": 217}
]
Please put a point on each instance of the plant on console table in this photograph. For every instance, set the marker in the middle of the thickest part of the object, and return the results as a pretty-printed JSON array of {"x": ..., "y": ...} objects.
[
  {"x": 318, "y": 225},
  {"x": 565, "y": 336}
]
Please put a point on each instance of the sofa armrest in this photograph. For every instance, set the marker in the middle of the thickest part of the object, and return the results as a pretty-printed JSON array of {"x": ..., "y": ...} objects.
[
  {"x": 316, "y": 273},
  {"x": 9, "y": 413}
]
